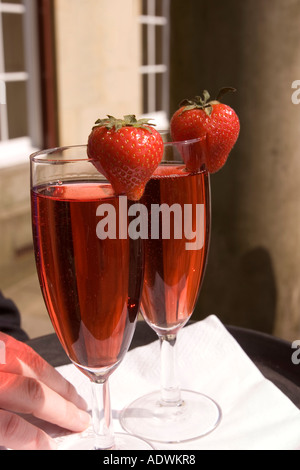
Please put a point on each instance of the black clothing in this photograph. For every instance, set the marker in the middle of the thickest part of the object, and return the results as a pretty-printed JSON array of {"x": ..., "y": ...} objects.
[{"x": 10, "y": 319}]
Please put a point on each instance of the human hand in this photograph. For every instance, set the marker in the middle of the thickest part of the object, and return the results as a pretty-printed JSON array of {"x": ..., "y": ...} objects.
[{"x": 29, "y": 385}]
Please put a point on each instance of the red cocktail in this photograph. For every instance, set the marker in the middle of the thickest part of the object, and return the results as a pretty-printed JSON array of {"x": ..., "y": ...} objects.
[
  {"x": 91, "y": 284},
  {"x": 176, "y": 248},
  {"x": 175, "y": 261}
]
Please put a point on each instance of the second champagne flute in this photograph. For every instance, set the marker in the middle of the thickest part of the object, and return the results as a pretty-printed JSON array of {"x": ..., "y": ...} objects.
[{"x": 176, "y": 248}]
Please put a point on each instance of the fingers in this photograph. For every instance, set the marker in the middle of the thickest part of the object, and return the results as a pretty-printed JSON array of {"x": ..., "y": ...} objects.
[
  {"x": 18, "y": 434},
  {"x": 27, "y": 395},
  {"x": 40, "y": 370},
  {"x": 20, "y": 359},
  {"x": 29, "y": 385}
]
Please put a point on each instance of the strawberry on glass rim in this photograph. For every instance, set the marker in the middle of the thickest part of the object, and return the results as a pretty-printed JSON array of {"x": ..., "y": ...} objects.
[
  {"x": 126, "y": 151},
  {"x": 214, "y": 123}
]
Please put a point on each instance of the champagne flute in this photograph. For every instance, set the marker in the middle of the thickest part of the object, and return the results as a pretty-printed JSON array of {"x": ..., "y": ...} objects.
[
  {"x": 91, "y": 280},
  {"x": 178, "y": 203}
]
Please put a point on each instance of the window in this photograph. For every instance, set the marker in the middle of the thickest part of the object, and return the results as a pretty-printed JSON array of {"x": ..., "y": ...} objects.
[
  {"x": 154, "y": 69},
  {"x": 20, "y": 124}
]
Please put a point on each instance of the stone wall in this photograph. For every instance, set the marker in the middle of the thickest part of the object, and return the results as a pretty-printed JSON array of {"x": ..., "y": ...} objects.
[
  {"x": 98, "y": 55},
  {"x": 15, "y": 222}
]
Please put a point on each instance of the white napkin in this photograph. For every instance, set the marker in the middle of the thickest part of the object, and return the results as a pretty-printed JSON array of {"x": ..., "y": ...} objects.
[{"x": 256, "y": 415}]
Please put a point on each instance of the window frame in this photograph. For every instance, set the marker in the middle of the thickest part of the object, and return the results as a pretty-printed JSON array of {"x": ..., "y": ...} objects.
[
  {"x": 151, "y": 20},
  {"x": 16, "y": 150}
]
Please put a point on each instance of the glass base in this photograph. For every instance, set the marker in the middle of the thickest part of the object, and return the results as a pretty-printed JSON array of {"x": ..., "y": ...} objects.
[
  {"x": 197, "y": 416},
  {"x": 90, "y": 442}
]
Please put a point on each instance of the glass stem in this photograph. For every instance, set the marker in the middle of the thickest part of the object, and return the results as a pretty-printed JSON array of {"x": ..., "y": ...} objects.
[
  {"x": 102, "y": 415},
  {"x": 170, "y": 390}
]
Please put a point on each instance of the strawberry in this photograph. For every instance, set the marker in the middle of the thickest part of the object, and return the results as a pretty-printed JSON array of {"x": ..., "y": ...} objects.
[
  {"x": 215, "y": 123},
  {"x": 126, "y": 151}
]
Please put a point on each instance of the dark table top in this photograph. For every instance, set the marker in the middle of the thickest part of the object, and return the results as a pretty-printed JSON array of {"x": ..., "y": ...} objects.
[{"x": 271, "y": 355}]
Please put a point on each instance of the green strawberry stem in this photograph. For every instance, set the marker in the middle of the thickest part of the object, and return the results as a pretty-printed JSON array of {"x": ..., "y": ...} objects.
[
  {"x": 204, "y": 103},
  {"x": 128, "y": 121}
]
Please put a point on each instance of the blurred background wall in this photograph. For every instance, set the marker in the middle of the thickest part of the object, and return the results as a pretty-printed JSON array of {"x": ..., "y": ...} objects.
[
  {"x": 84, "y": 59},
  {"x": 253, "y": 272}
]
